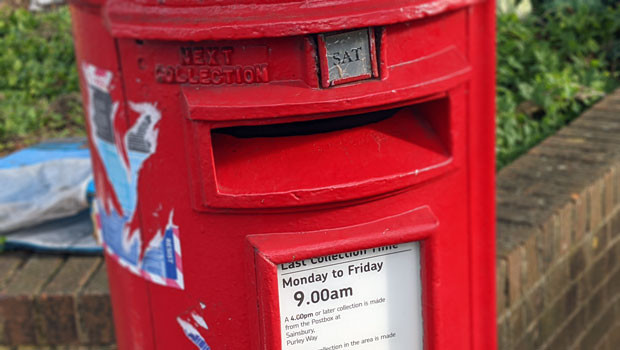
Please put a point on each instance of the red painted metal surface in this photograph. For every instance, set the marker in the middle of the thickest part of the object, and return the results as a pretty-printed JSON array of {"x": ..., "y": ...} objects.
[{"x": 231, "y": 149}]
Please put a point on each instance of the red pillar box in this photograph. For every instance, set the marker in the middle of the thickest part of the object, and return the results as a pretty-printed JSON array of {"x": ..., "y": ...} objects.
[{"x": 294, "y": 175}]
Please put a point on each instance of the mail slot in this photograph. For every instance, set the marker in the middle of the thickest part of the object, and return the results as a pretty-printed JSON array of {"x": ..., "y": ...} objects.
[{"x": 293, "y": 175}]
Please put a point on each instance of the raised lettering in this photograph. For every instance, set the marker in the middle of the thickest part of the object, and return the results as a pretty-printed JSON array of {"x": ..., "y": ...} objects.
[
  {"x": 211, "y": 52},
  {"x": 186, "y": 55},
  {"x": 238, "y": 74},
  {"x": 160, "y": 73},
  {"x": 248, "y": 75},
  {"x": 210, "y": 65},
  {"x": 262, "y": 74},
  {"x": 181, "y": 76},
  {"x": 169, "y": 78},
  {"x": 198, "y": 55},
  {"x": 227, "y": 51},
  {"x": 216, "y": 75},
  {"x": 228, "y": 72},
  {"x": 204, "y": 76},
  {"x": 194, "y": 77}
]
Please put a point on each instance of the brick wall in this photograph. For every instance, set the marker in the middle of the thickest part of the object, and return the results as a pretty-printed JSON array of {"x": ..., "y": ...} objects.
[
  {"x": 54, "y": 302},
  {"x": 558, "y": 238}
]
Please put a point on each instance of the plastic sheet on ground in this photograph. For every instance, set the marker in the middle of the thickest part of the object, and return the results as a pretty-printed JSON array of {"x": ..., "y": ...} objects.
[{"x": 44, "y": 198}]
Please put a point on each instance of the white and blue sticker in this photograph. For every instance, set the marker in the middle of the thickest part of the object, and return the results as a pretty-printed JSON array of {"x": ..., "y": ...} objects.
[{"x": 122, "y": 156}]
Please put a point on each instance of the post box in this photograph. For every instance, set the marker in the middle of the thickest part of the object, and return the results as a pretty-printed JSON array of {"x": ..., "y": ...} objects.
[{"x": 293, "y": 175}]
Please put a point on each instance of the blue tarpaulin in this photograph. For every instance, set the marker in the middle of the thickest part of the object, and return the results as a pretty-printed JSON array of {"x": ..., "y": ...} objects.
[{"x": 45, "y": 198}]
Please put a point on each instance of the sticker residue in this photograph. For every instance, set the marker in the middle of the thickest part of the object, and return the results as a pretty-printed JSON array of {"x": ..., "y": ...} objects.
[
  {"x": 194, "y": 325},
  {"x": 122, "y": 156}
]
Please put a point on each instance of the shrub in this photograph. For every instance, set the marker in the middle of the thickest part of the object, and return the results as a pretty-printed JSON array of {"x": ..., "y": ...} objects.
[
  {"x": 39, "y": 90},
  {"x": 550, "y": 67}
]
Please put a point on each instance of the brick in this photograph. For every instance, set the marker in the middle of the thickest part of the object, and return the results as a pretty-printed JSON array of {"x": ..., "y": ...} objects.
[
  {"x": 608, "y": 193},
  {"x": 560, "y": 176},
  {"x": 560, "y": 341},
  {"x": 510, "y": 237},
  {"x": 532, "y": 269},
  {"x": 603, "y": 344},
  {"x": 595, "y": 200},
  {"x": 530, "y": 197},
  {"x": 558, "y": 280},
  {"x": 565, "y": 229},
  {"x": 596, "y": 244},
  {"x": 534, "y": 333},
  {"x": 616, "y": 182},
  {"x": 616, "y": 247},
  {"x": 612, "y": 258},
  {"x": 17, "y": 299},
  {"x": 33, "y": 276},
  {"x": 577, "y": 263},
  {"x": 615, "y": 334},
  {"x": 595, "y": 304},
  {"x": 550, "y": 320},
  {"x": 588, "y": 135},
  {"x": 56, "y": 305},
  {"x": 514, "y": 214},
  {"x": 534, "y": 304},
  {"x": 598, "y": 330},
  {"x": 597, "y": 272},
  {"x": 9, "y": 264},
  {"x": 546, "y": 247},
  {"x": 613, "y": 286},
  {"x": 610, "y": 102},
  {"x": 605, "y": 121},
  {"x": 554, "y": 232},
  {"x": 600, "y": 122},
  {"x": 571, "y": 300},
  {"x": 516, "y": 321},
  {"x": 101, "y": 347},
  {"x": 576, "y": 325},
  {"x": 503, "y": 335},
  {"x": 95, "y": 324},
  {"x": 554, "y": 316},
  {"x": 501, "y": 286},
  {"x": 514, "y": 264},
  {"x": 528, "y": 340},
  {"x": 508, "y": 174},
  {"x": 615, "y": 225},
  {"x": 592, "y": 159},
  {"x": 583, "y": 285},
  {"x": 603, "y": 236},
  {"x": 565, "y": 145},
  {"x": 579, "y": 215}
]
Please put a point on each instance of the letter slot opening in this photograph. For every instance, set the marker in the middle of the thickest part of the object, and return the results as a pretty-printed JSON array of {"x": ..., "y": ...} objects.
[{"x": 366, "y": 154}]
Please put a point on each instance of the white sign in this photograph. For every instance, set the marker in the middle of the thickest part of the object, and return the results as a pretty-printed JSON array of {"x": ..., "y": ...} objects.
[{"x": 364, "y": 300}]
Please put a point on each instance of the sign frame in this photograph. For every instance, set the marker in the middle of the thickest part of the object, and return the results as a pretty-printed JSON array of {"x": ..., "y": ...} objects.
[
  {"x": 267, "y": 251},
  {"x": 323, "y": 52}
]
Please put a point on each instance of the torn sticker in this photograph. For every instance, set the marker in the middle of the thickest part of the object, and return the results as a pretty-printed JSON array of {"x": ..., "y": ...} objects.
[
  {"x": 118, "y": 158},
  {"x": 162, "y": 259},
  {"x": 194, "y": 326},
  {"x": 192, "y": 334}
]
